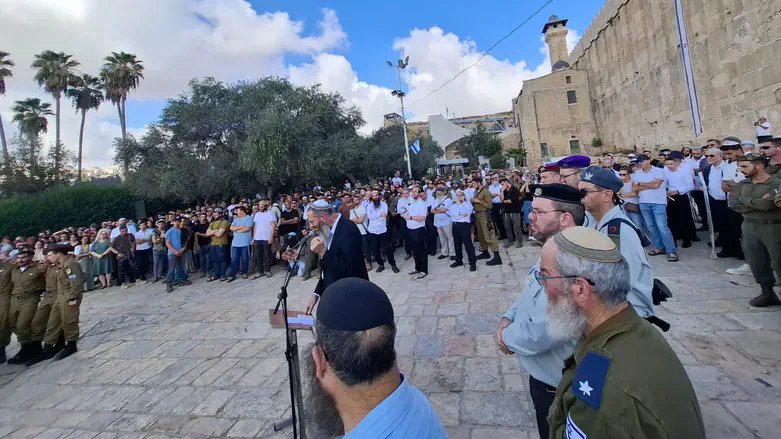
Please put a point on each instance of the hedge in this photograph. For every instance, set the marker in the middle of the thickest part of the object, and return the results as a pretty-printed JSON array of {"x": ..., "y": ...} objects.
[{"x": 62, "y": 207}]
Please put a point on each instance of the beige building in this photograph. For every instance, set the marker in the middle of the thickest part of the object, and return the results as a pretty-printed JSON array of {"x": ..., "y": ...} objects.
[{"x": 553, "y": 111}]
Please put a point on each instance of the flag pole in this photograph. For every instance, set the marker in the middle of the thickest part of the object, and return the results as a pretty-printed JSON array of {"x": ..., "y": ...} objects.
[{"x": 404, "y": 125}]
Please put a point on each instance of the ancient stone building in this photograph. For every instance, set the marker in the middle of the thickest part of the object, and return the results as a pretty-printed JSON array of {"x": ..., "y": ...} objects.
[{"x": 631, "y": 59}]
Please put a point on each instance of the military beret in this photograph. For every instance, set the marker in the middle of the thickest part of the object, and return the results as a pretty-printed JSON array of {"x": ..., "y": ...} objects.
[
  {"x": 754, "y": 157},
  {"x": 574, "y": 161},
  {"x": 354, "y": 304},
  {"x": 587, "y": 243},
  {"x": 602, "y": 177},
  {"x": 557, "y": 192},
  {"x": 551, "y": 167}
]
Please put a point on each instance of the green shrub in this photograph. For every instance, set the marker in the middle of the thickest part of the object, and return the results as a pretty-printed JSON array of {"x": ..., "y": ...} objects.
[
  {"x": 498, "y": 161},
  {"x": 75, "y": 206}
]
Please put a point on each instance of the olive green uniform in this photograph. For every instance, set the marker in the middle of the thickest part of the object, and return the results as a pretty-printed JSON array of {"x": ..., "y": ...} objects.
[
  {"x": 624, "y": 381},
  {"x": 45, "y": 306},
  {"x": 774, "y": 170},
  {"x": 5, "y": 302},
  {"x": 761, "y": 226},
  {"x": 65, "y": 316},
  {"x": 485, "y": 227},
  {"x": 26, "y": 293}
]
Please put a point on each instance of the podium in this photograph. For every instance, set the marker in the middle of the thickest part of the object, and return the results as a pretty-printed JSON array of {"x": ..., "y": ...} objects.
[{"x": 278, "y": 322}]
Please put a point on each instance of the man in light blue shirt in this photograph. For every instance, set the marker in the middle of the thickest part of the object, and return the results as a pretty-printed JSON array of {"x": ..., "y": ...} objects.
[
  {"x": 242, "y": 238},
  {"x": 356, "y": 387},
  {"x": 523, "y": 330},
  {"x": 177, "y": 275}
]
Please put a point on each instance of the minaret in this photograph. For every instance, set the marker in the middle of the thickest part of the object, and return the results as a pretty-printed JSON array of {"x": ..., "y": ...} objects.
[{"x": 555, "y": 31}]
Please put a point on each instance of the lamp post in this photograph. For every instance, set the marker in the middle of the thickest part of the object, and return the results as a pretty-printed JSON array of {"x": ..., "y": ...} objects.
[{"x": 400, "y": 94}]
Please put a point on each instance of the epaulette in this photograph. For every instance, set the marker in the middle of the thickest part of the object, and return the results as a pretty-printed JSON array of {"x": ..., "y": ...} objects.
[{"x": 590, "y": 378}]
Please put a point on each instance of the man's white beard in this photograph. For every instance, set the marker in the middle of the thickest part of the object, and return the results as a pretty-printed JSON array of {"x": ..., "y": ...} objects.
[
  {"x": 325, "y": 233},
  {"x": 565, "y": 320}
]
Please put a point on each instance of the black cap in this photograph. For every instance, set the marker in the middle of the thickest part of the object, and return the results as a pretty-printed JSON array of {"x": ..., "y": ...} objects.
[
  {"x": 354, "y": 304},
  {"x": 557, "y": 192}
]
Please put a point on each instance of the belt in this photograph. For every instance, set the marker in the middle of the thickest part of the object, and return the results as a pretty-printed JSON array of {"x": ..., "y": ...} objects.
[{"x": 762, "y": 221}]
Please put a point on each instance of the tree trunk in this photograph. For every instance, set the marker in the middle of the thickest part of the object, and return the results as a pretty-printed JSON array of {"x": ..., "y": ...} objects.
[
  {"x": 124, "y": 120},
  {"x": 81, "y": 144},
  {"x": 6, "y": 156},
  {"x": 33, "y": 141},
  {"x": 57, "y": 146},
  {"x": 121, "y": 119}
]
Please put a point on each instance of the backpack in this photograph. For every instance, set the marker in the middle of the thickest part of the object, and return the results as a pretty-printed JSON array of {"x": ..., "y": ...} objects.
[{"x": 614, "y": 229}]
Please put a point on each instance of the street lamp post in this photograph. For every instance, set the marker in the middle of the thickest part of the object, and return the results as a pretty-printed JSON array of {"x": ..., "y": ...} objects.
[{"x": 400, "y": 94}]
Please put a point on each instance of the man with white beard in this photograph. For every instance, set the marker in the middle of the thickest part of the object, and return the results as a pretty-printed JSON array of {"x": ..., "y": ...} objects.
[
  {"x": 623, "y": 379},
  {"x": 523, "y": 330}
]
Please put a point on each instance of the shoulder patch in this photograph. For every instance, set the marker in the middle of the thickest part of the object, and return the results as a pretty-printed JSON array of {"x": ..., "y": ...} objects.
[
  {"x": 614, "y": 227},
  {"x": 573, "y": 431},
  {"x": 71, "y": 276},
  {"x": 68, "y": 271},
  {"x": 590, "y": 378}
]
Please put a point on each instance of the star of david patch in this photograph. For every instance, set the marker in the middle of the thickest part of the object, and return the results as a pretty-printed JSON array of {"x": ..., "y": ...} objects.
[{"x": 590, "y": 378}]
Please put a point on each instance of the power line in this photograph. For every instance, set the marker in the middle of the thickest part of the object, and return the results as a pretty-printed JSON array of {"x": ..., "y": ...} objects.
[{"x": 484, "y": 53}]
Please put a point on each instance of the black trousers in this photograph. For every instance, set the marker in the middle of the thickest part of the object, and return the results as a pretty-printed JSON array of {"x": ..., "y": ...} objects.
[
  {"x": 419, "y": 237},
  {"x": 379, "y": 244},
  {"x": 144, "y": 260},
  {"x": 126, "y": 271},
  {"x": 679, "y": 218},
  {"x": 496, "y": 217},
  {"x": 718, "y": 211},
  {"x": 262, "y": 255},
  {"x": 405, "y": 235},
  {"x": 461, "y": 236},
  {"x": 542, "y": 398},
  {"x": 367, "y": 254},
  {"x": 431, "y": 235},
  {"x": 730, "y": 242}
]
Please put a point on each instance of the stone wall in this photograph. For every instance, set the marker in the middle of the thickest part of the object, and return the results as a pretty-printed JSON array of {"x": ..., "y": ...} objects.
[
  {"x": 546, "y": 116},
  {"x": 638, "y": 93}
]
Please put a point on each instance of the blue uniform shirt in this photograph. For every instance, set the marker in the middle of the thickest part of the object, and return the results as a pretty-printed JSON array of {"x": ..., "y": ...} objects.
[
  {"x": 406, "y": 413},
  {"x": 174, "y": 237}
]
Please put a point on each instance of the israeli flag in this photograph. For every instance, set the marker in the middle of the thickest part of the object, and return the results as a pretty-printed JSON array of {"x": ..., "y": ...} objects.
[{"x": 416, "y": 146}]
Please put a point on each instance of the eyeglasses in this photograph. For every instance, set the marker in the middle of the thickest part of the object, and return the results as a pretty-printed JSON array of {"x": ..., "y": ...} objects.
[
  {"x": 570, "y": 174},
  {"x": 540, "y": 278},
  {"x": 590, "y": 191},
  {"x": 536, "y": 212}
]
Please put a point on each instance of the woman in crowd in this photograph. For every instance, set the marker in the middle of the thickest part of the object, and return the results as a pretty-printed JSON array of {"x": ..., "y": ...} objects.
[
  {"x": 84, "y": 256},
  {"x": 103, "y": 258},
  {"x": 159, "y": 251},
  {"x": 631, "y": 201},
  {"x": 39, "y": 256},
  {"x": 461, "y": 212}
]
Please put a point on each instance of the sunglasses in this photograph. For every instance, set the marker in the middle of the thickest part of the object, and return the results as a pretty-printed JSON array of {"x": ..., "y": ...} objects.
[
  {"x": 710, "y": 155},
  {"x": 623, "y": 174},
  {"x": 764, "y": 147}
]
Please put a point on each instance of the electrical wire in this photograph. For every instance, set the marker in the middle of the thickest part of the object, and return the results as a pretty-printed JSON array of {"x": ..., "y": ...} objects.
[{"x": 484, "y": 53}]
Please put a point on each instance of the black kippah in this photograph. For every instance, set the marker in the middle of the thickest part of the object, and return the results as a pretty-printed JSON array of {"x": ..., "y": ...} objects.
[
  {"x": 557, "y": 192},
  {"x": 354, "y": 304}
]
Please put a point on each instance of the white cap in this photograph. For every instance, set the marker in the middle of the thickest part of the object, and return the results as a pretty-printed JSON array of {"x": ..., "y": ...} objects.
[{"x": 320, "y": 205}]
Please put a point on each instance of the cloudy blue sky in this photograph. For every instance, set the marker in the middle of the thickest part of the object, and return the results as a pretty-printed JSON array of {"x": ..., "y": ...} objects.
[{"x": 340, "y": 44}]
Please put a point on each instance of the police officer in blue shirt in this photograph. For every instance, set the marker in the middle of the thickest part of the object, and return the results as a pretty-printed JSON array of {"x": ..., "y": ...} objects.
[
  {"x": 599, "y": 187},
  {"x": 524, "y": 328}
]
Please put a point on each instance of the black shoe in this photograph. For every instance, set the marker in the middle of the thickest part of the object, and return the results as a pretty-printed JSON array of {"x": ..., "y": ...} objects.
[
  {"x": 432, "y": 254},
  {"x": 766, "y": 298},
  {"x": 231, "y": 279},
  {"x": 456, "y": 264},
  {"x": 723, "y": 254},
  {"x": 696, "y": 239},
  {"x": 484, "y": 255},
  {"x": 185, "y": 282},
  {"x": 70, "y": 349},
  {"x": 49, "y": 351},
  {"x": 22, "y": 356},
  {"x": 394, "y": 269},
  {"x": 380, "y": 269},
  {"x": 169, "y": 287},
  {"x": 407, "y": 258},
  {"x": 35, "y": 349},
  {"x": 686, "y": 244},
  {"x": 2, "y": 354},
  {"x": 472, "y": 267},
  {"x": 157, "y": 279},
  {"x": 440, "y": 257},
  {"x": 452, "y": 258},
  {"x": 497, "y": 260}
]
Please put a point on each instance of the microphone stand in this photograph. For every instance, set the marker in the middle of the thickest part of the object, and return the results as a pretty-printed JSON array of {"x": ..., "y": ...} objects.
[{"x": 291, "y": 353}]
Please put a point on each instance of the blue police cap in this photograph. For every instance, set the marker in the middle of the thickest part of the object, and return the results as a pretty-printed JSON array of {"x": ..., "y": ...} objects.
[
  {"x": 574, "y": 161},
  {"x": 603, "y": 177}
]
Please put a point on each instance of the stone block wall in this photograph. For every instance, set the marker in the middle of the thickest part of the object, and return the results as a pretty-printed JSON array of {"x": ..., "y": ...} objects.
[{"x": 637, "y": 88}]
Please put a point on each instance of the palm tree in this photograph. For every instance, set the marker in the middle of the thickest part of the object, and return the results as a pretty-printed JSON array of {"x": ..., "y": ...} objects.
[
  {"x": 31, "y": 115},
  {"x": 5, "y": 72},
  {"x": 121, "y": 73},
  {"x": 55, "y": 72},
  {"x": 87, "y": 94}
]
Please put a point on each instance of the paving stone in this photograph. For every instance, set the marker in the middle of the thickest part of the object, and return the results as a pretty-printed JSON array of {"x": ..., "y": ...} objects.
[
  {"x": 132, "y": 422},
  {"x": 452, "y": 309},
  {"x": 495, "y": 408},
  {"x": 246, "y": 428},
  {"x": 720, "y": 423},
  {"x": 482, "y": 374},
  {"x": 444, "y": 374},
  {"x": 261, "y": 372},
  {"x": 426, "y": 325},
  {"x": 485, "y": 346},
  {"x": 515, "y": 383},
  {"x": 99, "y": 421},
  {"x": 460, "y": 345},
  {"x": 492, "y": 433},
  {"x": 477, "y": 324},
  {"x": 429, "y": 346},
  {"x": 213, "y": 403},
  {"x": 207, "y": 426},
  {"x": 447, "y": 406},
  {"x": 168, "y": 424},
  {"x": 762, "y": 418},
  {"x": 446, "y": 325}
]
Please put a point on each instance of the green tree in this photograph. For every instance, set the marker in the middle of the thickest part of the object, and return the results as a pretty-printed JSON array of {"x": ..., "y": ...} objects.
[
  {"x": 121, "y": 73},
  {"x": 478, "y": 143},
  {"x": 497, "y": 161},
  {"x": 384, "y": 154},
  {"x": 32, "y": 171},
  {"x": 86, "y": 94},
  {"x": 31, "y": 114},
  {"x": 5, "y": 72},
  {"x": 54, "y": 74}
]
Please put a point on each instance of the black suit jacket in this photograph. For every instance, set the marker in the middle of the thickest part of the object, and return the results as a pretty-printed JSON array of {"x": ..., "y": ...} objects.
[{"x": 344, "y": 258}]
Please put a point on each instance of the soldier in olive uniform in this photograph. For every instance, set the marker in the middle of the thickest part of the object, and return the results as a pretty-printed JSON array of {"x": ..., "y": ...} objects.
[
  {"x": 772, "y": 149},
  {"x": 65, "y": 317},
  {"x": 47, "y": 304},
  {"x": 623, "y": 379},
  {"x": 5, "y": 305},
  {"x": 29, "y": 283},
  {"x": 755, "y": 198},
  {"x": 482, "y": 203}
]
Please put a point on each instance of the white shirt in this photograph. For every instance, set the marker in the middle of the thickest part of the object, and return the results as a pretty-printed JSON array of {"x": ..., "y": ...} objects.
[
  {"x": 495, "y": 189},
  {"x": 401, "y": 206},
  {"x": 377, "y": 223},
  {"x": 441, "y": 219},
  {"x": 461, "y": 213},
  {"x": 131, "y": 229},
  {"x": 714, "y": 181},
  {"x": 732, "y": 174},
  {"x": 263, "y": 222},
  {"x": 357, "y": 212},
  {"x": 470, "y": 193},
  {"x": 651, "y": 196},
  {"x": 763, "y": 129},
  {"x": 628, "y": 189},
  {"x": 396, "y": 181},
  {"x": 417, "y": 208},
  {"x": 682, "y": 180},
  {"x": 144, "y": 236}
]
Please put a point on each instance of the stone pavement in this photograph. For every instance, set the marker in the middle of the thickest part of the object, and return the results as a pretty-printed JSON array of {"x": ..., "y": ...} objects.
[{"x": 203, "y": 361}]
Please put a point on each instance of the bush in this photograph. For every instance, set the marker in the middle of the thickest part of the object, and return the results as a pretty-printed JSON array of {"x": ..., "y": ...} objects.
[
  {"x": 75, "y": 206},
  {"x": 497, "y": 161}
]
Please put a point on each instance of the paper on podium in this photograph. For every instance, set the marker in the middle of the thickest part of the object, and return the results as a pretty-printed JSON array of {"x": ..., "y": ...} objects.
[
  {"x": 302, "y": 319},
  {"x": 295, "y": 320}
]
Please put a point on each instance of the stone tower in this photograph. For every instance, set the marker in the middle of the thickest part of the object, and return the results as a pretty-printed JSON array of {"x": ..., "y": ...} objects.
[{"x": 555, "y": 31}]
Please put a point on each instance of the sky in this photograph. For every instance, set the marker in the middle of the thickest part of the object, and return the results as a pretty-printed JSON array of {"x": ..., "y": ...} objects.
[{"x": 340, "y": 44}]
